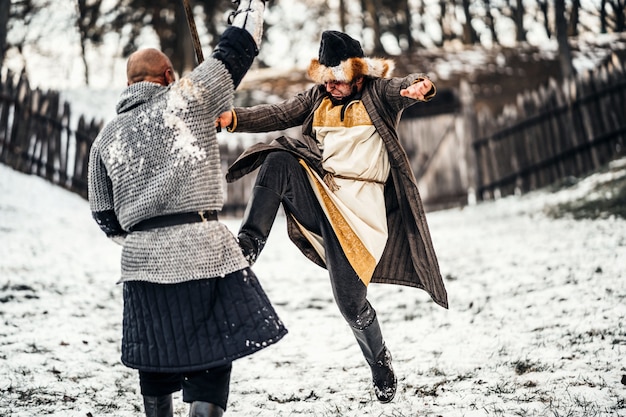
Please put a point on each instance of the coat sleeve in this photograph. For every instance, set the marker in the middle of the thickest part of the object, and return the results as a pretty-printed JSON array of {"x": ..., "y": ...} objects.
[{"x": 270, "y": 117}]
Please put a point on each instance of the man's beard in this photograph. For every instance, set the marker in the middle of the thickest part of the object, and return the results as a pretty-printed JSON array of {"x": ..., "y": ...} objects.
[{"x": 354, "y": 95}]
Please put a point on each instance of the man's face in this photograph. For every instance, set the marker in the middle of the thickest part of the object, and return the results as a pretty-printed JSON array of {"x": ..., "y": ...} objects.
[{"x": 338, "y": 89}]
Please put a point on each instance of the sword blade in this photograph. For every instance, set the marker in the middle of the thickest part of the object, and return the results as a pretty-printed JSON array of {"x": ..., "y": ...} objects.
[{"x": 195, "y": 39}]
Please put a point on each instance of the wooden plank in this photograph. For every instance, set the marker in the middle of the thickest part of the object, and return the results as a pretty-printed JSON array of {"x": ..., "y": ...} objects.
[
  {"x": 64, "y": 135},
  {"x": 7, "y": 100},
  {"x": 52, "y": 132},
  {"x": 38, "y": 143},
  {"x": 19, "y": 143}
]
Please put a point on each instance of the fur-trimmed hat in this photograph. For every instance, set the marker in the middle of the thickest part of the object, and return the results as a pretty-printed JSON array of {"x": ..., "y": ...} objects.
[{"x": 341, "y": 58}]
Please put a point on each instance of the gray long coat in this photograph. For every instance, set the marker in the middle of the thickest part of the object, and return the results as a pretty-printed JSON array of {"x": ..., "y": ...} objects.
[{"x": 409, "y": 257}]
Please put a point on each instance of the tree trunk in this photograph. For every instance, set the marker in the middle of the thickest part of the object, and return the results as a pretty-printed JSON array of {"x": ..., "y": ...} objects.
[
  {"x": 491, "y": 23},
  {"x": 408, "y": 24},
  {"x": 543, "y": 6},
  {"x": 5, "y": 6},
  {"x": 469, "y": 34},
  {"x": 372, "y": 6},
  {"x": 603, "y": 23},
  {"x": 342, "y": 15},
  {"x": 620, "y": 15},
  {"x": 171, "y": 27},
  {"x": 565, "y": 53},
  {"x": 518, "y": 17},
  {"x": 446, "y": 33},
  {"x": 574, "y": 19}
]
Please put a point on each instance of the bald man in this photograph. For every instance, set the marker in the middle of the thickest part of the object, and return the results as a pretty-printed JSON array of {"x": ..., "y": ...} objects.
[
  {"x": 149, "y": 65},
  {"x": 191, "y": 303}
]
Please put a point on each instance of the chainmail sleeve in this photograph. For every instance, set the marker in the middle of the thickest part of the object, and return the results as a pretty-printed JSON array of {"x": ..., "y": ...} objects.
[{"x": 101, "y": 197}]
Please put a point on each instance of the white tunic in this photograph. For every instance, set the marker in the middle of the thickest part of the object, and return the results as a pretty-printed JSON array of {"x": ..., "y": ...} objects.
[{"x": 355, "y": 154}]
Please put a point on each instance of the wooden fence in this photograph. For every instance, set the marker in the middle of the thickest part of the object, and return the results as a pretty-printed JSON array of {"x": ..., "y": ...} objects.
[
  {"x": 36, "y": 138},
  {"x": 438, "y": 145},
  {"x": 551, "y": 133},
  {"x": 554, "y": 132}
]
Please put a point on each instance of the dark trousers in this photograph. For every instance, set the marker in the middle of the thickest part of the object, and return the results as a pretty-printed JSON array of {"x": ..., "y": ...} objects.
[
  {"x": 282, "y": 173},
  {"x": 211, "y": 385}
]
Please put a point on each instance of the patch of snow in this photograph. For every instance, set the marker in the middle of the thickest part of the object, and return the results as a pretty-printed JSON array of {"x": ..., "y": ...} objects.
[{"x": 536, "y": 325}]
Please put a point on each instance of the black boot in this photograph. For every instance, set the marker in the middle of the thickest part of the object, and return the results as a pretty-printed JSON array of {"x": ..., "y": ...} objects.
[
  {"x": 204, "y": 409},
  {"x": 257, "y": 222},
  {"x": 158, "y": 406},
  {"x": 378, "y": 357}
]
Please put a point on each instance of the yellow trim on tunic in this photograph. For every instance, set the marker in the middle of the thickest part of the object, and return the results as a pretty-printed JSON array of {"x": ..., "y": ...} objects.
[
  {"x": 357, "y": 254},
  {"x": 329, "y": 115}
]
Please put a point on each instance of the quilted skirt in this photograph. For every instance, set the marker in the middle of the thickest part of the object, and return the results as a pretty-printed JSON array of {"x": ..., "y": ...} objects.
[{"x": 196, "y": 325}]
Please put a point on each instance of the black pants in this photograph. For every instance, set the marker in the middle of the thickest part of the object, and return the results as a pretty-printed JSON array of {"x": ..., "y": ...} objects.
[
  {"x": 282, "y": 173},
  {"x": 211, "y": 385}
]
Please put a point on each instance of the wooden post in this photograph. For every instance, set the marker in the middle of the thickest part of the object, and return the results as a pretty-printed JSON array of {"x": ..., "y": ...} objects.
[
  {"x": 7, "y": 101},
  {"x": 18, "y": 146},
  {"x": 466, "y": 132}
]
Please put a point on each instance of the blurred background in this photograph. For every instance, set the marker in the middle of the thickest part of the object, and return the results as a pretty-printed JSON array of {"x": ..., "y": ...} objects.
[
  {"x": 93, "y": 32},
  {"x": 530, "y": 92}
]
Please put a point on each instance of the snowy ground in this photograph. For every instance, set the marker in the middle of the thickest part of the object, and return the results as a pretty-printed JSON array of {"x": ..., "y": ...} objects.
[{"x": 536, "y": 325}]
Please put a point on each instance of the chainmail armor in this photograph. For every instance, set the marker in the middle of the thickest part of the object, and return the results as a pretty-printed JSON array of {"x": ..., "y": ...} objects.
[{"x": 160, "y": 156}]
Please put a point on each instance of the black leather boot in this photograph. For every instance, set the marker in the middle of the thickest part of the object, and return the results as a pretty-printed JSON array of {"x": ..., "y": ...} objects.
[
  {"x": 378, "y": 357},
  {"x": 158, "y": 406},
  {"x": 257, "y": 222},
  {"x": 204, "y": 409}
]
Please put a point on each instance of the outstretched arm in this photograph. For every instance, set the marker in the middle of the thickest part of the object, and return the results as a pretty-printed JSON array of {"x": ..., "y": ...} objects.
[{"x": 269, "y": 117}]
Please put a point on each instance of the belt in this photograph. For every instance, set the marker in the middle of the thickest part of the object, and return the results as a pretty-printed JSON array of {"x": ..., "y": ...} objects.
[
  {"x": 329, "y": 180},
  {"x": 174, "y": 219}
]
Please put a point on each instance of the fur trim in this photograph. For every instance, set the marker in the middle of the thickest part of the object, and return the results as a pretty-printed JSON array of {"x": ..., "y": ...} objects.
[{"x": 350, "y": 69}]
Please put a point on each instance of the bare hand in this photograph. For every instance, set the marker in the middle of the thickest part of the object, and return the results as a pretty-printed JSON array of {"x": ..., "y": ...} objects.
[
  {"x": 224, "y": 120},
  {"x": 418, "y": 90}
]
